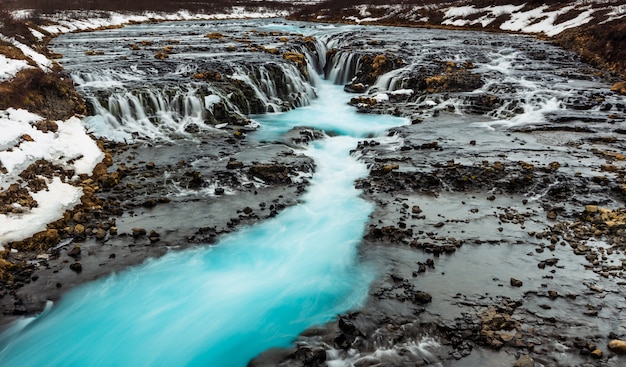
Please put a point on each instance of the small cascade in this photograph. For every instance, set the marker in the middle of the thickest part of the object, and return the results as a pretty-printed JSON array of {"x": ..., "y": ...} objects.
[
  {"x": 180, "y": 109},
  {"x": 341, "y": 66},
  {"x": 390, "y": 81},
  {"x": 152, "y": 113}
]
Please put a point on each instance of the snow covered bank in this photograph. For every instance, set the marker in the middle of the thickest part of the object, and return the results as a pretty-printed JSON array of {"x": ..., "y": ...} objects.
[
  {"x": 85, "y": 21},
  {"x": 546, "y": 19},
  {"x": 22, "y": 144},
  {"x": 10, "y": 67}
]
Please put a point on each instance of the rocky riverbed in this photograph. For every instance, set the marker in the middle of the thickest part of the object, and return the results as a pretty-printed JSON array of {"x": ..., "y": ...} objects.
[{"x": 498, "y": 230}]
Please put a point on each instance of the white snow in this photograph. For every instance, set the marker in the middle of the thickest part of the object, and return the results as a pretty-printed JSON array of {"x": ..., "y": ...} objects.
[
  {"x": 10, "y": 67},
  {"x": 118, "y": 19},
  {"x": 211, "y": 100},
  {"x": 536, "y": 20},
  {"x": 406, "y": 92},
  {"x": 43, "y": 62},
  {"x": 21, "y": 144},
  {"x": 381, "y": 97},
  {"x": 40, "y": 36},
  {"x": 52, "y": 203}
]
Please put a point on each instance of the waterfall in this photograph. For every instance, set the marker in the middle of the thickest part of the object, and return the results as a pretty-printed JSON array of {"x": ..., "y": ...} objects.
[{"x": 342, "y": 66}]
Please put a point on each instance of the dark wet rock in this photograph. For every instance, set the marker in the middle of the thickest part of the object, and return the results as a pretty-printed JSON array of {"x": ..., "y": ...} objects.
[
  {"x": 195, "y": 180},
  {"x": 373, "y": 66},
  {"x": 77, "y": 267},
  {"x": 422, "y": 298},
  {"x": 149, "y": 203},
  {"x": 234, "y": 164},
  {"x": 74, "y": 252},
  {"x": 302, "y": 135},
  {"x": 271, "y": 173},
  {"x": 516, "y": 282},
  {"x": 153, "y": 236},
  {"x": 138, "y": 232},
  {"x": 310, "y": 356}
]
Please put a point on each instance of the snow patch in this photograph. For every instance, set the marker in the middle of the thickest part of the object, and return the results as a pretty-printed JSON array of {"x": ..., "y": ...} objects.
[
  {"x": 21, "y": 144},
  {"x": 43, "y": 62},
  {"x": 52, "y": 203},
  {"x": 10, "y": 67}
]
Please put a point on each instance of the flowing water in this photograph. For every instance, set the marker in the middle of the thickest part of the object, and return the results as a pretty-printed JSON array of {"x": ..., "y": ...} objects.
[
  {"x": 224, "y": 304},
  {"x": 260, "y": 287}
]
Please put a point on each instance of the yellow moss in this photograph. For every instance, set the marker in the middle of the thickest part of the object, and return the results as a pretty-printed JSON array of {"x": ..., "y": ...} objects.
[
  {"x": 379, "y": 62},
  {"x": 298, "y": 58},
  {"x": 214, "y": 35},
  {"x": 161, "y": 55},
  {"x": 619, "y": 87}
]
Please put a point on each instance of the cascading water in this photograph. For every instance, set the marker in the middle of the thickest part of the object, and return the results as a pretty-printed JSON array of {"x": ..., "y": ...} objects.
[{"x": 260, "y": 287}]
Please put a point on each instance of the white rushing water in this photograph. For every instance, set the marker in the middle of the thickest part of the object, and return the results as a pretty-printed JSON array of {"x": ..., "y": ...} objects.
[{"x": 222, "y": 305}]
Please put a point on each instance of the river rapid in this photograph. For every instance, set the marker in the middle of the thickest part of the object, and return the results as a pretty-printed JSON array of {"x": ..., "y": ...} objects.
[{"x": 469, "y": 156}]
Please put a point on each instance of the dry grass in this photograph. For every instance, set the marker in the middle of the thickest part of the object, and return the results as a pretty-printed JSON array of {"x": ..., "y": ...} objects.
[{"x": 601, "y": 45}]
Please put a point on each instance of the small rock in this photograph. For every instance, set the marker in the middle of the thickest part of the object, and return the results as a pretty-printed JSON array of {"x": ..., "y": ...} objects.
[
  {"x": 234, "y": 164},
  {"x": 149, "y": 203},
  {"x": 113, "y": 231},
  {"x": 524, "y": 361},
  {"x": 154, "y": 236},
  {"x": 75, "y": 252},
  {"x": 247, "y": 210},
  {"x": 100, "y": 233},
  {"x": 219, "y": 191},
  {"x": 79, "y": 230},
  {"x": 77, "y": 267},
  {"x": 79, "y": 217},
  {"x": 551, "y": 215},
  {"x": 596, "y": 353},
  {"x": 416, "y": 209},
  {"x": 138, "y": 232},
  {"x": 617, "y": 346},
  {"x": 422, "y": 298},
  {"x": 516, "y": 282}
]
